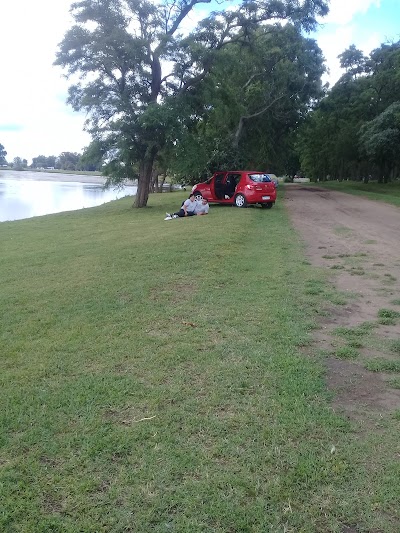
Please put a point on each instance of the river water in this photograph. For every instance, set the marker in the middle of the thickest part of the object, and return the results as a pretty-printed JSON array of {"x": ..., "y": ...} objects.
[{"x": 29, "y": 194}]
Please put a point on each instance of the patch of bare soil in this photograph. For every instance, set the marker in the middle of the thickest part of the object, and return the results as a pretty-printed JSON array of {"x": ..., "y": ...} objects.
[{"x": 358, "y": 241}]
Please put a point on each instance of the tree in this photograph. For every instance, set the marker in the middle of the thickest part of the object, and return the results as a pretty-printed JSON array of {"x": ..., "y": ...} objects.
[
  {"x": 42, "y": 161},
  {"x": 253, "y": 100},
  {"x": 3, "y": 154},
  {"x": 68, "y": 161},
  {"x": 19, "y": 163},
  {"x": 380, "y": 140},
  {"x": 119, "y": 48},
  {"x": 353, "y": 61},
  {"x": 92, "y": 157},
  {"x": 335, "y": 140}
]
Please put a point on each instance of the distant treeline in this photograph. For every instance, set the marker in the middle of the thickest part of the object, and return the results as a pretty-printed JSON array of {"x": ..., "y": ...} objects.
[{"x": 64, "y": 161}]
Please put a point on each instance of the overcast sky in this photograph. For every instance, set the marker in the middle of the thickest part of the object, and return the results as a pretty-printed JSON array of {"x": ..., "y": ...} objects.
[{"x": 34, "y": 119}]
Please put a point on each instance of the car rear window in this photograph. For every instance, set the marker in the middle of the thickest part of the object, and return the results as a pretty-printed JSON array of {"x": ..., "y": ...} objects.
[{"x": 260, "y": 178}]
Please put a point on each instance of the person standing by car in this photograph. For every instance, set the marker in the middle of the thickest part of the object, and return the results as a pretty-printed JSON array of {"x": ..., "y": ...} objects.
[
  {"x": 187, "y": 209},
  {"x": 202, "y": 207}
]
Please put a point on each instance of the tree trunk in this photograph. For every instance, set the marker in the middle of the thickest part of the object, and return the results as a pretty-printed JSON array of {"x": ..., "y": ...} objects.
[
  {"x": 155, "y": 182},
  {"x": 145, "y": 174},
  {"x": 161, "y": 184}
]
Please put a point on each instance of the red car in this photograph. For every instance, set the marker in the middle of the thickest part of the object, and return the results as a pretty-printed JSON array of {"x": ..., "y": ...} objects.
[{"x": 238, "y": 187}]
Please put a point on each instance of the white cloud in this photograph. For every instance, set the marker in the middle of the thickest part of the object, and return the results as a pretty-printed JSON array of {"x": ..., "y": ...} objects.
[
  {"x": 33, "y": 92},
  {"x": 343, "y": 11},
  {"x": 335, "y": 41},
  {"x": 333, "y": 44}
]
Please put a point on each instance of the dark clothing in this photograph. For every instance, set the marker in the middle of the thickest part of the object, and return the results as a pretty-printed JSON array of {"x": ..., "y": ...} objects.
[{"x": 181, "y": 213}]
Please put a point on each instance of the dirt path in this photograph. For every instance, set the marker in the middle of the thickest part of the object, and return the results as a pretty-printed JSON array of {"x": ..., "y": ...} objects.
[{"x": 358, "y": 241}]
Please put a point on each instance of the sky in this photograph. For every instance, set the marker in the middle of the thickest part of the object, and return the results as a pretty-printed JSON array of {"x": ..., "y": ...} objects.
[{"x": 34, "y": 117}]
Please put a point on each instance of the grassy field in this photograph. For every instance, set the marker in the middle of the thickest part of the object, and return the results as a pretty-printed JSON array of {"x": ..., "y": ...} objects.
[
  {"x": 386, "y": 192},
  {"x": 159, "y": 376}
]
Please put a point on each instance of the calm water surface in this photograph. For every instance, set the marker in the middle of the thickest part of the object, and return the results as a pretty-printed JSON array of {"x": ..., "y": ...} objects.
[{"x": 29, "y": 194}]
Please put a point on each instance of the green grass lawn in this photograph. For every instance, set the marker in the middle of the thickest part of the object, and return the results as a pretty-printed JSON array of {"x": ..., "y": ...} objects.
[
  {"x": 158, "y": 376},
  {"x": 386, "y": 192}
]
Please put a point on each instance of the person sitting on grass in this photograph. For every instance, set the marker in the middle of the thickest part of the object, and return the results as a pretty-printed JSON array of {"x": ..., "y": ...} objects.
[
  {"x": 202, "y": 207},
  {"x": 187, "y": 209}
]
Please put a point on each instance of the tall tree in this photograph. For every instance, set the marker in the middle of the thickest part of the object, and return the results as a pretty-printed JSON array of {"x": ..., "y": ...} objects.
[
  {"x": 119, "y": 48},
  {"x": 68, "y": 161},
  {"x": 42, "y": 161},
  {"x": 353, "y": 61},
  {"x": 92, "y": 157},
  {"x": 251, "y": 103},
  {"x": 3, "y": 154},
  {"x": 380, "y": 140},
  {"x": 334, "y": 142},
  {"x": 19, "y": 163}
]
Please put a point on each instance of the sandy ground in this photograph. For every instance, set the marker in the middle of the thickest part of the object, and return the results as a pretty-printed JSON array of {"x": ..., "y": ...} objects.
[{"x": 358, "y": 241}]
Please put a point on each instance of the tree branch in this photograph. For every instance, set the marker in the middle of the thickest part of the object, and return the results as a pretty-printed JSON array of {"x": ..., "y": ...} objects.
[{"x": 242, "y": 119}]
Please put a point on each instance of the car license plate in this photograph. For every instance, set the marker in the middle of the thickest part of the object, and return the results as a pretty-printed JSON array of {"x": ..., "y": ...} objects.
[{"x": 266, "y": 197}]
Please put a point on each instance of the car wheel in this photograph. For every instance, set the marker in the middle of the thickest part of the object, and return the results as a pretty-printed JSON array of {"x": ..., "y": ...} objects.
[
  {"x": 198, "y": 196},
  {"x": 240, "y": 200},
  {"x": 267, "y": 206}
]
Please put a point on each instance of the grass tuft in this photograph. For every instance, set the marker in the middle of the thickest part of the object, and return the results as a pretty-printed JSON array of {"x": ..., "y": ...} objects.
[
  {"x": 395, "y": 383},
  {"x": 388, "y": 313},
  {"x": 395, "y": 346},
  {"x": 346, "y": 352},
  {"x": 382, "y": 365}
]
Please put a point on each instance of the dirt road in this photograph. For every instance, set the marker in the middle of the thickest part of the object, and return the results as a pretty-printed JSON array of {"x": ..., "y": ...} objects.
[{"x": 358, "y": 241}]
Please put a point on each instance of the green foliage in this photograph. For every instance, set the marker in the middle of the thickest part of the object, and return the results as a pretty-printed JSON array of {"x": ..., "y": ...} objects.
[
  {"x": 388, "y": 313},
  {"x": 346, "y": 352},
  {"x": 395, "y": 383},
  {"x": 353, "y": 60},
  {"x": 380, "y": 138},
  {"x": 3, "y": 154},
  {"x": 90, "y": 160},
  {"x": 92, "y": 157},
  {"x": 68, "y": 161},
  {"x": 117, "y": 51},
  {"x": 19, "y": 163},
  {"x": 251, "y": 111},
  {"x": 395, "y": 346},
  {"x": 354, "y": 131},
  {"x": 43, "y": 161},
  {"x": 382, "y": 365}
]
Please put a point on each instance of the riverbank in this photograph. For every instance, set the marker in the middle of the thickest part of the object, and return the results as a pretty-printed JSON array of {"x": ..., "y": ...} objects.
[
  {"x": 148, "y": 385},
  {"x": 52, "y": 176},
  {"x": 56, "y": 176}
]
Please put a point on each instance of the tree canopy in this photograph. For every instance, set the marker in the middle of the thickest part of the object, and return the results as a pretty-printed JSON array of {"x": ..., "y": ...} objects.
[
  {"x": 251, "y": 103},
  {"x": 354, "y": 130},
  {"x": 134, "y": 69},
  {"x": 3, "y": 154}
]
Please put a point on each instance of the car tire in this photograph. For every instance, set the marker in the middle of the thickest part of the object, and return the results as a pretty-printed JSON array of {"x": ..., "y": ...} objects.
[
  {"x": 267, "y": 206},
  {"x": 240, "y": 200},
  {"x": 198, "y": 196}
]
